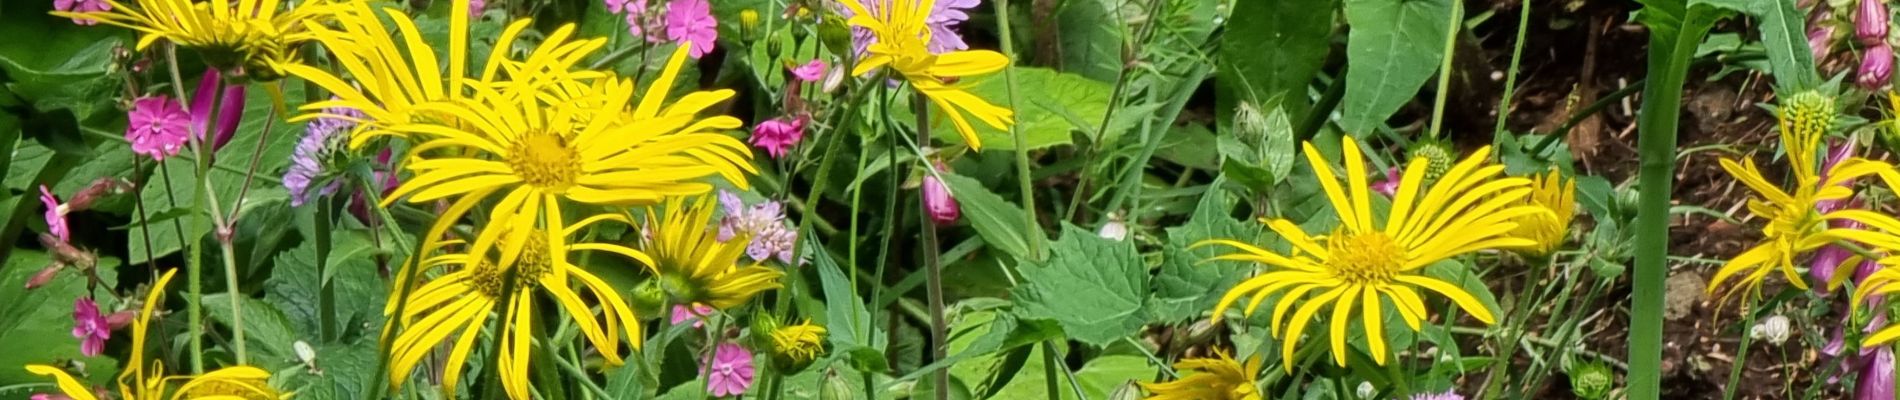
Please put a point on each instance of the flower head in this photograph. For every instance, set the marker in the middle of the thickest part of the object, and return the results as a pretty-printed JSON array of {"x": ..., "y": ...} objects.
[
  {"x": 694, "y": 266},
  {"x": 810, "y": 72},
  {"x": 1390, "y": 185},
  {"x": 475, "y": 7},
  {"x": 82, "y": 6},
  {"x": 691, "y": 23},
  {"x": 796, "y": 346},
  {"x": 230, "y": 100},
  {"x": 158, "y": 127},
  {"x": 89, "y": 327},
  {"x": 1219, "y": 378},
  {"x": 1876, "y": 67},
  {"x": 55, "y": 215},
  {"x": 763, "y": 222},
  {"x": 1870, "y": 22},
  {"x": 729, "y": 372},
  {"x": 942, "y": 21},
  {"x": 903, "y": 32},
  {"x": 323, "y": 138},
  {"x": 1361, "y": 263},
  {"x": 1559, "y": 195},
  {"x": 777, "y": 136},
  {"x": 257, "y": 37}
]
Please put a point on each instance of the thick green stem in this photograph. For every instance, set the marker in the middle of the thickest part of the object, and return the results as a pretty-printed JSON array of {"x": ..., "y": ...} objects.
[
  {"x": 1022, "y": 148},
  {"x": 1670, "y": 49},
  {"x": 940, "y": 379}
]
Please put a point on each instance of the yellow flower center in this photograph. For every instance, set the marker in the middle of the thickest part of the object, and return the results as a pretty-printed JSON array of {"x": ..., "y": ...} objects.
[
  {"x": 1359, "y": 258},
  {"x": 526, "y": 273},
  {"x": 545, "y": 160}
]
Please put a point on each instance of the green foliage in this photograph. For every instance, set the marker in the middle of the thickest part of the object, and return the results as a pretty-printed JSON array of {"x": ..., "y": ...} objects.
[
  {"x": 1054, "y": 104},
  {"x": 38, "y": 322},
  {"x": 1090, "y": 285},
  {"x": 1271, "y": 58},
  {"x": 1188, "y": 283},
  {"x": 1393, "y": 49},
  {"x": 996, "y": 220}
]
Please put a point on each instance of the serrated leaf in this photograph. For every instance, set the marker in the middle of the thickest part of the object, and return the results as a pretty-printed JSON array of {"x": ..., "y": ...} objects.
[
  {"x": 293, "y": 287},
  {"x": 1187, "y": 284},
  {"x": 1047, "y": 96},
  {"x": 1393, "y": 48},
  {"x": 844, "y": 310},
  {"x": 267, "y": 331},
  {"x": 998, "y": 221},
  {"x": 1093, "y": 287}
]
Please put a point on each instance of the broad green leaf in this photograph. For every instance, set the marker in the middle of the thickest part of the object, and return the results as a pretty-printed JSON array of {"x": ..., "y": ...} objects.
[
  {"x": 63, "y": 65},
  {"x": 1393, "y": 48},
  {"x": 1053, "y": 104},
  {"x": 1277, "y": 149},
  {"x": 844, "y": 310},
  {"x": 998, "y": 221},
  {"x": 1091, "y": 39},
  {"x": 359, "y": 292},
  {"x": 1784, "y": 34},
  {"x": 1275, "y": 54},
  {"x": 268, "y": 333},
  {"x": 37, "y": 327},
  {"x": 1093, "y": 287},
  {"x": 1188, "y": 284}
]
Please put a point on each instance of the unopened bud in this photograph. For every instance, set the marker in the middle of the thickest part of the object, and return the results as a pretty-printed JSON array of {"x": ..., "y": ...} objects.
[
  {"x": 1592, "y": 381},
  {"x": 836, "y": 388},
  {"x": 1809, "y": 113},
  {"x": 938, "y": 202},
  {"x": 118, "y": 320},
  {"x": 748, "y": 22},
  {"x": 44, "y": 275},
  {"x": 65, "y": 253},
  {"x": 1870, "y": 22},
  {"x": 100, "y": 188},
  {"x": 1366, "y": 390},
  {"x": 1774, "y": 330},
  {"x": 835, "y": 34},
  {"x": 1876, "y": 67},
  {"x": 1126, "y": 391},
  {"x": 1439, "y": 155}
]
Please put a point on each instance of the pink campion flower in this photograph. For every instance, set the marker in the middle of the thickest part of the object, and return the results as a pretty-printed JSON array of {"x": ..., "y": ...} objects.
[
  {"x": 691, "y": 21},
  {"x": 158, "y": 127},
  {"x": 810, "y": 72},
  {"x": 90, "y": 327},
  {"x": 777, "y": 136},
  {"x": 938, "y": 202},
  {"x": 55, "y": 215},
  {"x": 1390, "y": 186},
  {"x": 1876, "y": 66},
  {"x": 80, "y": 6},
  {"x": 45, "y": 396},
  {"x": 230, "y": 107},
  {"x": 729, "y": 372},
  {"x": 681, "y": 314}
]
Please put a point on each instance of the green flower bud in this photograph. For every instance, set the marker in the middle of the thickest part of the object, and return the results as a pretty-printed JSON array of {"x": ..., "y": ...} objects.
[
  {"x": 835, "y": 387},
  {"x": 1250, "y": 126},
  {"x": 835, "y": 34},
  {"x": 1439, "y": 154},
  {"x": 647, "y": 297},
  {"x": 1592, "y": 381},
  {"x": 1807, "y": 113}
]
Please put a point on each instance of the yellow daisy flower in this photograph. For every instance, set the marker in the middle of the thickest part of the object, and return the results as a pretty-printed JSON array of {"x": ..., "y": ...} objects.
[
  {"x": 251, "y": 34},
  {"x": 1219, "y": 378},
  {"x": 1549, "y": 230},
  {"x": 902, "y": 39},
  {"x": 461, "y": 300},
  {"x": 1471, "y": 208},
  {"x": 796, "y": 346},
  {"x": 694, "y": 267},
  {"x": 139, "y": 381}
]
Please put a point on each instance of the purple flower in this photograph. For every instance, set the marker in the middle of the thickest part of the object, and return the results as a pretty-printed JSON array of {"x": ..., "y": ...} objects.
[
  {"x": 779, "y": 135},
  {"x": 1870, "y": 22},
  {"x": 321, "y": 137},
  {"x": 729, "y": 372},
  {"x": 82, "y": 6},
  {"x": 55, "y": 215},
  {"x": 1447, "y": 395},
  {"x": 475, "y": 7},
  {"x": 938, "y": 202},
  {"x": 1876, "y": 66},
  {"x": 764, "y": 222},
  {"x": 943, "y": 19},
  {"x": 1390, "y": 186},
  {"x": 90, "y": 327},
  {"x": 691, "y": 22},
  {"x": 158, "y": 127},
  {"x": 1875, "y": 380},
  {"x": 230, "y": 107},
  {"x": 682, "y": 314},
  {"x": 810, "y": 72}
]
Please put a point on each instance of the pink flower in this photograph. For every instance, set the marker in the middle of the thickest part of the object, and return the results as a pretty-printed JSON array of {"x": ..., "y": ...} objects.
[
  {"x": 937, "y": 200},
  {"x": 230, "y": 107},
  {"x": 1876, "y": 66},
  {"x": 1876, "y": 376},
  {"x": 681, "y": 314},
  {"x": 55, "y": 215},
  {"x": 691, "y": 22},
  {"x": 810, "y": 72},
  {"x": 730, "y": 372},
  {"x": 1870, "y": 22},
  {"x": 778, "y": 136},
  {"x": 90, "y": 327},
  {"x": 1390, "y": 186},
  {"x": 475, "y": 7},
  {"x": 158, "y": 127},
  {"x": 82, "y": 6}
]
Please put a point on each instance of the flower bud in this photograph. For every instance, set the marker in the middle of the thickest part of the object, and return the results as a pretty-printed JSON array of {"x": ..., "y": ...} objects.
[
  {"x": 1820, "y": 40},
  {"x": 835, "y": 34},
  {"x": 938, "y": 203},
  {"x": 1126, "y": 391},
  {"x": 1367, "y": 391},
  {"x": 102, "y": 187},
  {"x": 1773, "y": 329},
  {"x": 1876, "y": 67},
  {"x": 836, "y": 387},
  {"x": 1591, "y": 381},
  {"x": 1439, "y": 155},
  {"x": 647, "y": 297},
  {"x": 1870, "y": 22},
  {"x": 44, "y": 275},
  {"x": 119, "y": 320},
  {"x": 748, "y": 23}
]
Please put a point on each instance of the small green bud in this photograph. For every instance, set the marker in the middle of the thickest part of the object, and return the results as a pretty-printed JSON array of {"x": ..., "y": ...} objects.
[
  {"x": 1250, "y": 126},
  {"x": 1592, "y": 381},
  {"x": 836, "y": 388},
  {"x": 835, "y": 34},
  {"x": 1439, "y": 155},
  {"x": 647, "y": 297},
  {"x": 1807, "y": 113}
]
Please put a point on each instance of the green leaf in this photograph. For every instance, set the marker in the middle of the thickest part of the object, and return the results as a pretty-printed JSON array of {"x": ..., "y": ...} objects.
[
  {"x": 1092, "y": 286},
  {"x": 1393, "y": 48},
  {"x": 1050, "y": 100},
  {"x": 1277, "y": 151},
  {"x": 293, "y": 286},
  {"x": 1091, "y": 39},
  {"x": 267, "y": 331},
  {"x": 1461, "y": 275},
  {"x": 1275, "y": 54},
  {"x": 1186, "y": 287},
  {"x": 1784, "y": 35},
  {"x": 38, "y": 323},
  {"x": 998, "y": 221},
  {"x": 63, "y": 65},
  {"x": 844, "y": 310}
]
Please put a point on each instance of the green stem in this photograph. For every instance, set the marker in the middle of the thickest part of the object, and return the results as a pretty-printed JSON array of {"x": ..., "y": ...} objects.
[
  {"x": 940, "y": 378},
  {"x": 1510, "y": 75},
  {"x": 1052, "y": 381},
  {"x": 194, "y": 284},
  {"x": 326, "y": 294},
  {"x": 1668, "y": 67},
  {"x": 1131, "y": 180},
  {"x": 1741, "y": 353},
  {"x": 1444, "y": 68},
  {"x": 1022, "y": 148}
]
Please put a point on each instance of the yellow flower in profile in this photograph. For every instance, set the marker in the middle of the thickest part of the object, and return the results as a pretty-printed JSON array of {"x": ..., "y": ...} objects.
[
  {"x": 902, "y": 37},
  {"x": 1361, "y": 264},
  {"x": 796, "y": 346},
  {"x": 140, "y": 381},
  {"x": 1549, "y": 230},
  {"x": 460, "y": 301},
  {"x": 250, "y": 34},
  {"x": 1219, "y": 378},
  {"x": 694, "y": 267}
]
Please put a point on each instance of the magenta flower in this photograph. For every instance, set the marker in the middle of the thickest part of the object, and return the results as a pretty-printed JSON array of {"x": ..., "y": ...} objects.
[
  {"x": 691, "y": 21},
  {"x": 1390, "y": 186},
  {"x": 90, "y": 327},
  {"x": 938, "y": 202},
  {"x": 158, "y": 127},
  {"x": 729, "y": 372},
  {"x": 1876, "y": 66},
  {"x": 55, "y": 215},
  {"x": 1875, "y": 381},
  {"x": 682, "y": 314},
  {"x": 81, "y": 6},
  {"x": 1870, "y": 22},
  {"x": 765, "y": 222},
  {"x": 230, "y": 107},
  {"x": 810, "y": 72},
  {"x": 475, "y": 7},
  {"x": 779, "y": 135}
]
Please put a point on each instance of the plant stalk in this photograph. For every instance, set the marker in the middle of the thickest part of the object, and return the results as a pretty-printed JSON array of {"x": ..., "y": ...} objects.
[{"x": 940, "y": 378}]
